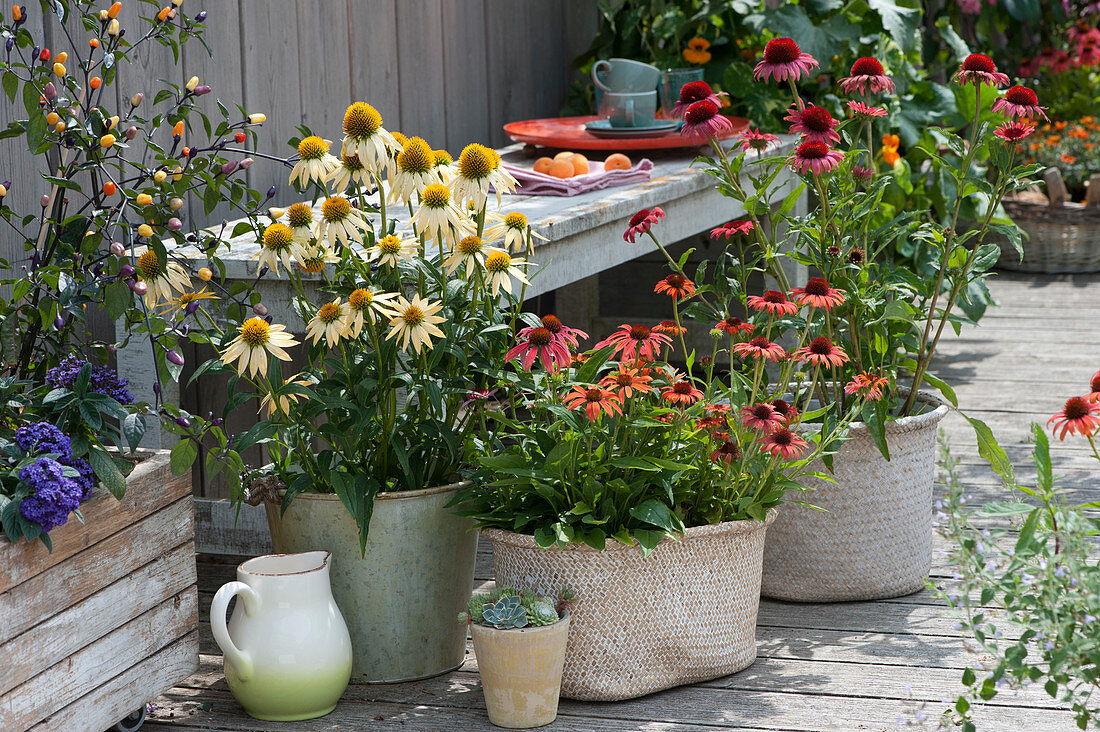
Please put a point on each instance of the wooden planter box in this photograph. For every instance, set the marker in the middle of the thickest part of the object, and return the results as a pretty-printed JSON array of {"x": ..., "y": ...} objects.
[{"x": 109, "y": 620}]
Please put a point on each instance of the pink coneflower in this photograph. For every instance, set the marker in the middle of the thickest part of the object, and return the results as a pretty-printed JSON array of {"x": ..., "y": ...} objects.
[
  {"x": 822, "y": 352},
  {"x": 818, "y": 293},
  {"x": 681, "y": 393},
  {"x": 734, "y": 326},
  {"x": 1013, "y": 131},
  {"x": 1019, "y": 101},
  {"x": 632, "y": 341},
  {"x": 867, "y": 75},
  {"x": 641, "y": 222},
  {"x": 862, "y": 173},
  {"x": 540, "y": 343},
  {"x": 867, "y": 385},
  {"x": 864, "y": 112},
  {"x": 783, "y": 60},
  {"x": 726, "y": 453},
  {"x": 696, "y": 91},
  {"x": 733, "y": 228},
  {"x": 759, "y": 347},
  {"x": 627, "y": 381},
  {"x": 979, "y": 69},
  {"x": 676, "y": 286},
  {"x": 774, "y": 302},
  {"x": 815, "y": 124},
  {"x": 702, "y": 122},
  {"x": 783, "y": 443},
  {"x": 1078, "y": 416},
  {"x": 762, "y": 417},
  {"x": 815, "y": 157},
  {"x": 553, "y": 324},
  {"x": 596, "y": 401},
  {"x": 669, "y": 327},
  {"x": 756, "y": 140},
  {"x": 787, "y": 410},
  {"x": 1094, "y": 387}
]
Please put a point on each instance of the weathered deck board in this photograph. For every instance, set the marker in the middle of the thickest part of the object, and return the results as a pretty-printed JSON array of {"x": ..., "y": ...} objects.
[{"x": 821, "y": 667}]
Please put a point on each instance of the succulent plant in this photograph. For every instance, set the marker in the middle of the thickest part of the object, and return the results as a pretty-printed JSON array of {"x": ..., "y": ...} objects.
[
  {"x": 507, "y": 612},
  {"x": 541, "y": 612},
  {"x": 506, "y": 607}
]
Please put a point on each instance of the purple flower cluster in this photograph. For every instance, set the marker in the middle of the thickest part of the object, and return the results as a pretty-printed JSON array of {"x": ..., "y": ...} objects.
[
  {"x": 42, "y": 437},
  {"x": 55, "y": 494},
  {"x": 103, "y": 381}
]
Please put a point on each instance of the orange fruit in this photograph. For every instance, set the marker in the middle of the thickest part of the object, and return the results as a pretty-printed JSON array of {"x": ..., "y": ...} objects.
[
  {"x": 109, "y": 188},
  {"x": 542, "y": 165},
  {"x": 580, "y": 164},
  {"x": 617, "y": 161},
  {"x": 564, "y": 155},
  {"x": 561, "y": 169}
]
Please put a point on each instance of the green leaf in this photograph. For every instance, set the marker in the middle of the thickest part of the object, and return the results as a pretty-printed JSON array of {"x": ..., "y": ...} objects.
[
  {"x": 968, "y": 677},
  {"x": 1041, "y": 455},
  {"x": 989, "y": 449},
  {"x": 36, "y": 129},
  {"x": 107, "y": 471},
  {"x": 1005, "y": 508},
  {"x": 633, "y": 463},
  {"x": 1027, "y": 534},
  {"x": 133, "y": 429},
  {"x": 944, "y": 388},
  {"x": 11, "y": 84},
  {"x": 874, "y": 416},
  {"x": 183, "y": 456},
  {"x": 259, "y": 432},
  {"x": 648, "y": 539},
  {"x": 657, "y": 514},
  {"x": 900, "y": 23}
]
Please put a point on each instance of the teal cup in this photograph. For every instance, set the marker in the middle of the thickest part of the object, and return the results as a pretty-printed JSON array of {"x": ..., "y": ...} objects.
[
  {"x": 672, "y": 81},
  {"x": 637, "y": 109},
  {"x": 623, "y": 76}
]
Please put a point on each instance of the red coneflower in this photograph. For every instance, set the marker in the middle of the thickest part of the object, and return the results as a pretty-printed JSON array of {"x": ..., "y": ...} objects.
[
  {"x": 702, "y": 122},
  {"x": 762, "y": 416},
  {"x": 818, "y": 293},
  {"x": 553, "y": 324},
  {"x": 774, "y": 302},
  {"x": 1094, "y": 388},
  {"x": 596, "y": 401},
  {"x": 867, "y": 385},
  {"x": 632, "y": 341},
  {"x": 696, "y": 91},
  {"x": 726, "y": 453},
  {"x": 713, "y": 424},
  {"x": 641, "y": 222},
  {"x": 731, "y": 229},
  {"x": 1013, "y": 131},
  {"x": 1078, "y": 416},
  {"x": 676, "y": 286},
  {"x": 734, "y": 326},
  {"x": 759, "y": 347},
  {"x": 783, "y": 60},
  {"x": 681, "y": 393},
  {"x": 783, "y": 443},
  {"x": 822, "y": 352},
  {"x": 540, "y": 343},
  {"x": 787, "y": 410},
  {"x": 756, "y": 140},
  {"x": 979, "y": 69},
  {"x": 815, "y": 124},
  {"x": 1019, "y": 101},
  {"x": 669, "y": 327},
  {"x": 627, "y": 381},
  {"x": 867, "y": 75},
  {"x": 815, "y": 157},
  {"x": 863, "y": 112},
  {"x": 861, "y": 173}
]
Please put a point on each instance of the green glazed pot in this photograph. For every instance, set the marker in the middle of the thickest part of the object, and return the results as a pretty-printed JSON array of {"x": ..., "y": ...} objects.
[{"x": 401, "y": 598}]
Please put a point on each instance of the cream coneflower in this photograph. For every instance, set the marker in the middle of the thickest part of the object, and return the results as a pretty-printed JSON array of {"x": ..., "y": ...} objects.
[
  {"x": 513, "y": 228},
  {"x": 391, "y": 249},
  {"x": 469, "y": 251},
  {"x": 443, "y": 159},
  {"x": 500, "y": 268},
  {"x": 479, "y": 167},
  {"x": 350, "y": 170},
  {"x": 299, "y": 217},
  {"x": 313, "y": 258},
  {"x": 184, "y": 300},
  {"x": 415, "y": 170},
  {"x": 340, "y": 222},
  {"x": 256, "y": 340},
  {"x": 278, "y": 245},
  {"x": 283, "y": 399},
  {"x": 438, "y": 218},
  {"x": 314, "y": 161},
  {"x": 329, "y": 322},
  {"x": 365, "y": 138},
  {"x": 365, "y": 304},
  {"x": 160, "y": 277},
  {"x": 414, "y": 323}
]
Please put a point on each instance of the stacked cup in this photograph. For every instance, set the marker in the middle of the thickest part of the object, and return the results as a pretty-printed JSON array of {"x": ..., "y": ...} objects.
[{"x": 629, "y": 92}]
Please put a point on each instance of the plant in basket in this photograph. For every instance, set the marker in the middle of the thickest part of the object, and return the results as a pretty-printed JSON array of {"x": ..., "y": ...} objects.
[{"x": 1073, "y": 148}]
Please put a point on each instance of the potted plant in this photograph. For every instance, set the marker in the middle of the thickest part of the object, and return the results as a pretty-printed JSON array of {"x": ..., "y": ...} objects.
[
  {"x": 404, "y": 329},
  {"x": 519, "y": 641}
]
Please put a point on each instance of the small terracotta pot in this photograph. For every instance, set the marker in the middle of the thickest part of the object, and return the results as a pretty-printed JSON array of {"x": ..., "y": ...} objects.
[{"x": 521, "y": 672}]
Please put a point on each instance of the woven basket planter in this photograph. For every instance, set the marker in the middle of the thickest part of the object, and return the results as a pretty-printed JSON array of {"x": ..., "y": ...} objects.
[
  {"x": 684, "y": 614},
  {"x": 874, "y": 538},
  {"x": 1059, "y": 239}
]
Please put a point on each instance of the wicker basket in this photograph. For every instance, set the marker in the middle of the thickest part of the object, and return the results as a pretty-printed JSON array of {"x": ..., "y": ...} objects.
[
  {"x": 1061, "y": 239},
  {"x": 684, "y": 614},
  {"x": 874, "y": 538}
]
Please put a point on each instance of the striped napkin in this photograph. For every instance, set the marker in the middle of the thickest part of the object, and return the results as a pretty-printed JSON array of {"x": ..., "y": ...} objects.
[{"x": 540, "y": 184}]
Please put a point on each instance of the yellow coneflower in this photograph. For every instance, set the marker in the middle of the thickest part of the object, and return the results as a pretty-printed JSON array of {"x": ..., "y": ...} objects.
[
  {"x": 479, "y": 167},
  {"x": 365, "y": 304},
  {"x": 350, "y": 170},
  {"x": 160, "y": 277},
  {"x": 512, "y": 228},
  {"x": 501, "y": 268},
  {"x": 181, "y": 301},
  {"x": 314, "y": 161},
  {"x": 470, "y": 251},
  {"x": 438, "y": 218},
  {"x": 413, "y": 323},
  {"x": 313, "y": 258},
  {"x": 391, "y": 249},
  {"x": 365, "y": 137},
  {"x": 278, "y": 245},
  {"x": 340, "y": 222},
  {"x": 415, "y": 170},
  {"x": 329, "y": 322},
  {"x": 284, "y": 399},
  {"x": 256, "y": 340},
  {"x": 300, "y": 219}
]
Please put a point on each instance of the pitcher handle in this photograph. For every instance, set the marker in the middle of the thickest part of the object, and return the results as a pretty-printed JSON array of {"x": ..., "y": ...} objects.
[
  {"x": 595, "y": 77},
  {"x": 242, "y": 660}
]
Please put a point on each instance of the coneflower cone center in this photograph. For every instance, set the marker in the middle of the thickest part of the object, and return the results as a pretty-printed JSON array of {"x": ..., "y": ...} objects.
[
  {"x": 476, "y": 162},
  {"x": 515, "y": 221},
  {"x": 1022, "y": 96},
  {"x": 821, "y": 346},
  {"x": 681, "y": 387},
  {"x": 782, "y": 407},
  {"x": 416, "y": 157},
  {"x": 351, "y": 162},
  {"x": 817, "y": 286},
  {"x": 540, "y": 337},
  {"x": 1075, "y": 408},
  {"x": 498, "y": 262},
  {"x": 695, "y": 91},
  {"x": 255, "y": 332},
  {"x": 783, "y": 437},
  {"x": 774, "y": 296},
  {"x": 149, "y": 264},
  {"x": 413, "y": 316},
  {"x": 361, "y": 120},
  {"x": 278, "y": 237},
  {"x": 1095, "y": 384},
  {"x": 732, "y": 322},
  {"x": 552, "y": 323},
  {"x": 781, "y": 51},
  {"x": 639, "y": 217},
  {"x": 300, "y": 215},
  {"x": 639, "y": 332},
  {"x": 763, "y": 411},
  {"x": 759, "y": 342},
  {"x": 329, "y": 313},
  {"x": 594, "y": 395},
  {"x": 435, "y": 196},
  {"x": 867, "y": 67},
  {"x": 813, "y": 150},
  {"x": 700, "y": 112},
  {"x": 312, "y": 148},
  {"x": 389, "y": 245},
  {"x": 979, "y": 62},
  {"x": 359, "y": 299},
  {"x": 336, "y": 208},
  {"x": 675, "y": 281},
  {"x": 470, "y": 245},
  {"x": 817, "y": 119}
]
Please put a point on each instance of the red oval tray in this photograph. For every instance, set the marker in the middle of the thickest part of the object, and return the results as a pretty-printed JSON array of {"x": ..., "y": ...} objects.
[{"x": 568, "y": 133}]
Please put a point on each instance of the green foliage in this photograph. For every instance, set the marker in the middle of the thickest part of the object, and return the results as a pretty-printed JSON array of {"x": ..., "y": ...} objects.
[
  {"x": 505, "y": 608},
  {"x": 505, "y": 613}
]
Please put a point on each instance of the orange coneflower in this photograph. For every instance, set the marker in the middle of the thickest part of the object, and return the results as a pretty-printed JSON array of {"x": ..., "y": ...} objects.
[
  {"x": 763, "y": 416},
  {"x": 676, "y": 286},
  {"x": 1094, "y": 388},
  {"x": 867, "y": 385},
  {"x": 818, "y": 293},
  {"x": 760, "y": 347},
  {"x": 1078, "y": 416},
  {"x": 595, "y": 400},
  {"x": 627, "y": 381},
  {"x": 733, "y": 325},
  {"x": 726, "y": 453},
  {"x": 783, "y": 443},
  {"x": 669, "y": 327},
  {"x": 774, "y": 302},
  {"x": 822, "y": 352},
  {"x": 630, "y": 342},
  {"x": 681, "y": 393}
]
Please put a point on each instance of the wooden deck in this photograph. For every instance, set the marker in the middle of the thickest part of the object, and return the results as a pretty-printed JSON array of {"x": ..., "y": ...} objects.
[{"x": 853, "y": 666}]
